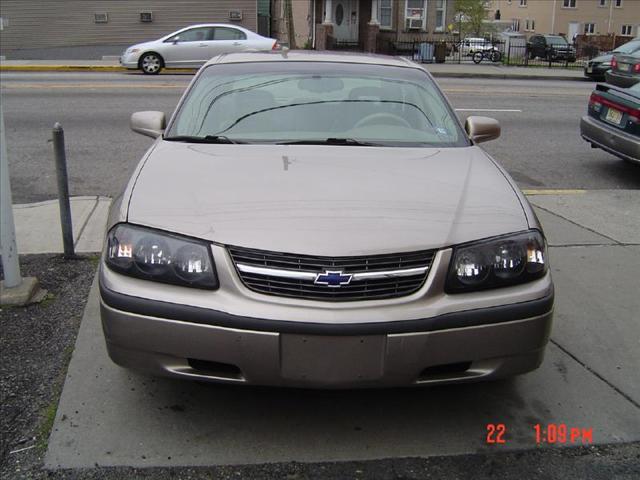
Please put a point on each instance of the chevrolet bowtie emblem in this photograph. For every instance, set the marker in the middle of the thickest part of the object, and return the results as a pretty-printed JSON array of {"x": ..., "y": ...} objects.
[{"x": 332, "y": 279}]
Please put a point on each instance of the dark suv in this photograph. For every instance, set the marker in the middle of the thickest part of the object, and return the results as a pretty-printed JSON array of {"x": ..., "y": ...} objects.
[{"x": 550, "y": 47}]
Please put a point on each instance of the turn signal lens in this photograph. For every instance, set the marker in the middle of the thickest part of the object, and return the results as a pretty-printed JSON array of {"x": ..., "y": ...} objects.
[
  {"x": 162, "y": 257},
  {"x": 497, "y": 262}
]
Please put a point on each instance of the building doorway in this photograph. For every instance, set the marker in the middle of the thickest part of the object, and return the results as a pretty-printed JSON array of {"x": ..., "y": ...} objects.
[{"x": 345, "y": 17}]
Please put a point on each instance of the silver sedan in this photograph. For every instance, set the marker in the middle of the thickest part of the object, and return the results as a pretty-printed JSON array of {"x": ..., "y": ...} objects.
[{"x": 192, "y": 46}]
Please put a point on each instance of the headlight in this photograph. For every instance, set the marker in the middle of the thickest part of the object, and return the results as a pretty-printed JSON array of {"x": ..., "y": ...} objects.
[
  {"x": 133, "y": 50},
  {"x": 497, "y": 262},
  {"x": 161, "y": 257}
]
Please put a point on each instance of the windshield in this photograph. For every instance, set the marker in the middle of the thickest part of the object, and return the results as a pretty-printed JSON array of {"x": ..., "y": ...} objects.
[
  {"x": 628, "y": 47},
  {"x": 556, "y": 41},
  {"x": 280, "y": 102}
]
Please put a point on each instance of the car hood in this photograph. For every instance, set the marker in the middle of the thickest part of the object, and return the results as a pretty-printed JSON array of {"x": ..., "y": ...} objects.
[
  {"x": 325, "y": 200},
  {"x": 144, "y": 45}
]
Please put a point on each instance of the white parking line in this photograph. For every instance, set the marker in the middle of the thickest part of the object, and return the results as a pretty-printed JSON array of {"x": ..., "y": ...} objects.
[{"x": 487, "y": 110}]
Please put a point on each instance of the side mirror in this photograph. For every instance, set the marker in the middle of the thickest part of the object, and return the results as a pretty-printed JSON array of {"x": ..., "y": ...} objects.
[
  {"x": 151, "y": 124},
  {"x": 482, "y": 129},
  {"x": 175, "y": 39}
]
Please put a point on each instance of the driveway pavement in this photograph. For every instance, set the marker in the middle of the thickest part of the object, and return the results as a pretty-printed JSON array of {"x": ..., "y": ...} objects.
[{"x": 589, "y": 379}]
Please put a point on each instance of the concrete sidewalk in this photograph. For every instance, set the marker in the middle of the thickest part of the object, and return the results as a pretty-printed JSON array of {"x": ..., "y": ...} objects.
[
  {"x": 38, "y": 225},
  {"x": 463, "y": 70},
  {"x": 589, "y": 380}
]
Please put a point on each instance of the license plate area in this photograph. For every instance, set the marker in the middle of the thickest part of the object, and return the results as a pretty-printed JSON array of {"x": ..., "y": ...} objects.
[
  {"x": 330, "y": 359},
  {"x": 613, "y": 116}
]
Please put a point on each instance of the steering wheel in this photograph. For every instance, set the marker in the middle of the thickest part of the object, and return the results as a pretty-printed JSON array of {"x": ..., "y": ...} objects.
[{"x": 375, "y": 118}]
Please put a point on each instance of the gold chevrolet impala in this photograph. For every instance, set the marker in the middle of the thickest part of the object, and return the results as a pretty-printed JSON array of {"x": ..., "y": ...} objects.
[{"x": 324, "y": 221}]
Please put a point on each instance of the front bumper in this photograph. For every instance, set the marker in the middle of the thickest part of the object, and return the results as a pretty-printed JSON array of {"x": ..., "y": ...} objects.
[
  {"x": 129, "y": 61},
  {"x": 195, "y": 343},
  {"x": 610, "y": 139}
]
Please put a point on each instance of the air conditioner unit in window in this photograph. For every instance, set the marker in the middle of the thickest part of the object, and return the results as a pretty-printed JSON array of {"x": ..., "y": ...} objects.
[
  {"x": 414, "y": 23},
  {"x": 146, "y": 17}
]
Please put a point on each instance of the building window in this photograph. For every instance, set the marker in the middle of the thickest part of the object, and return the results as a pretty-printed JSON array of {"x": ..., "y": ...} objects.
[
  {"x": 385, "y": 12},
  {"x": 441, "y": 15},
  {"x": 626, "y": 29},
  {"x": 618, "y": 3},
  {"x": 416, "y": 15},
  {"x": 589, "y": 28},
  {"x": 602, "y": 3},
  {"x": 529, "y": 25},
  {"x": 523, "y": 3},
  {"x": 569, "y": 4},
  {"x": 515, "y": 25}
]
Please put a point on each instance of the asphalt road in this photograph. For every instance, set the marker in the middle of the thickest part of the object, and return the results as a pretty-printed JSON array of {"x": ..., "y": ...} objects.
[{"x": 540, "y": 145}]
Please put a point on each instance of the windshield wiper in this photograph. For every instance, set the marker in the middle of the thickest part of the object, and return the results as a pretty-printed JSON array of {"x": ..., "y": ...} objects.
[
  {"x": 205, "y": 139},
  {"x": 332, "y": 141}
]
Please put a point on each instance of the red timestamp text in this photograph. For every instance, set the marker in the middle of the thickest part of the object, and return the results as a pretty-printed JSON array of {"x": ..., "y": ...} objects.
[
  {"x": 551, "y": 433},
  {"x": 561, "y": 433}
]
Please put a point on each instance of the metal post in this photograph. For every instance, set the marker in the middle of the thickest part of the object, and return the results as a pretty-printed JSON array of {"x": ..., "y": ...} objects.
[
  {"x": 63, "y": 189},
  {"x": 10, "y": 264}
]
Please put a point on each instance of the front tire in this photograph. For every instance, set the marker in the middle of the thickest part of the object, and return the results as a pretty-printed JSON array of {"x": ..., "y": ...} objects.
[
  {"x": 477, "y": 57},
  {"x": 495, "y": 56},
  {"x": 151, "y": 63}
]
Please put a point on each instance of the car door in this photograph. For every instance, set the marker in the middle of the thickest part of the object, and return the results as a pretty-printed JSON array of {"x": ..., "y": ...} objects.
[
  {"x": 537, "y": 46},
  {"x": 228, "y": 40},
  {"x": 189, "y": 48}
]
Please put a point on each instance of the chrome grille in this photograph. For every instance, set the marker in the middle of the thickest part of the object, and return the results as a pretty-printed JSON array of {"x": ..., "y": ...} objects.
[{"x": 291, "y": 275}]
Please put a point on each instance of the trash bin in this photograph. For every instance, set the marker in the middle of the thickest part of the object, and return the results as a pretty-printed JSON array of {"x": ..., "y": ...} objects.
[
  {"x": 440, "y": 52},
  {"x": 423, "y": 52}
]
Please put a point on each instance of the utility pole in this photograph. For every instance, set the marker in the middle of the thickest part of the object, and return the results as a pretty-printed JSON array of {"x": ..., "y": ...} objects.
[{"x": 14, "y": 290}]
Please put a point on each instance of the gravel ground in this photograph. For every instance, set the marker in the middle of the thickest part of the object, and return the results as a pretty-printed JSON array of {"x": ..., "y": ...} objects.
[{"x": 35, "y": 347}]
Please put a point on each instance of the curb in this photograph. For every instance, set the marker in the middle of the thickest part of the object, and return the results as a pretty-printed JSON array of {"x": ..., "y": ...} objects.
[
  {"x": 61, "y": 68},
  {"x": 78, "y": 68},
  {"x": 117, "y": 68},
  {"x": 506, "y": 76}
]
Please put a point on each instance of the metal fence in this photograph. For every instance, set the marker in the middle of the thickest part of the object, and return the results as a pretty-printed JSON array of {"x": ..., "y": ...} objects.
[
  {"x": 455, "y": 51},
  {"x": 452, "y": 50}
]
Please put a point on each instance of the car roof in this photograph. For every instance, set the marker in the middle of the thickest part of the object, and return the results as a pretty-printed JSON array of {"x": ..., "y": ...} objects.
[
  {"x": 311, "y": 56},
  {"x": 240, "y": 27}
]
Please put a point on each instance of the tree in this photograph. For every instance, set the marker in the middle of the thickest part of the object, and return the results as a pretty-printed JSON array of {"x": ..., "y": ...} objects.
[{"x": 471, "y": 15}]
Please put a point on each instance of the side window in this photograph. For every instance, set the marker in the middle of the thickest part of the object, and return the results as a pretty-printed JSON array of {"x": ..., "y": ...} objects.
[
  {"x": 200, "y": 34},
  {"x": 225, "y": 33}
]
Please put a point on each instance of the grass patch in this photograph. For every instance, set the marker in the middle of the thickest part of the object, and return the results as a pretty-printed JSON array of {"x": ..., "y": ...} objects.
[
  {"x": 48, "y": 417},
  {"x": 94, "y": 259},
  {"x": 48, "y": 299},
  {"x": 48, "y": 414}
]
